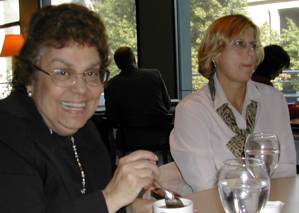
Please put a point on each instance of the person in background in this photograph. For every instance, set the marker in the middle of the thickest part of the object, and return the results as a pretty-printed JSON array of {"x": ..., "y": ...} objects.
[
  {"x": 136, "y": 97},
  {"x": 211, "y": 125},
  {"x": 52, "y": 159},
  {"x": 275, "y": 60}
]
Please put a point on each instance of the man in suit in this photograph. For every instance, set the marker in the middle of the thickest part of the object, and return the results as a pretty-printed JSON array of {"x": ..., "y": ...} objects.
[{"x": 136, "y": 97}]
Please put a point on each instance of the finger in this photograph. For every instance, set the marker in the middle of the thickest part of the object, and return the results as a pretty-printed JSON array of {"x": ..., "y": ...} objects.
[
  {"x": 145, "y": 173},
  {"x": 143, "y": 181},
  {"x": 141, "y": 164},
  {"x": 140, "y": 154}
]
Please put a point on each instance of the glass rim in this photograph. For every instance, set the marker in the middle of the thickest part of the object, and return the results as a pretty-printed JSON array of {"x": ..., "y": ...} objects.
[
  {"x": 261, "y": 137},
  {"x": 265, "y": 134},
  {"x": 242, "y": 161}
]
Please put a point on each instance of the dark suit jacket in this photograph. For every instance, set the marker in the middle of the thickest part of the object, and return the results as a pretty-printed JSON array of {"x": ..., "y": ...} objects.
[
  {"x": 38, "y": 171},
  {"x": 137, "y": 97}
]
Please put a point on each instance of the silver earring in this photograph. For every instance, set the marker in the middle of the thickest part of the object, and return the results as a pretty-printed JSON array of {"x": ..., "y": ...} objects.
[
  {"x": 29, "y": 94},
  {"x": 213, "y": 63}
]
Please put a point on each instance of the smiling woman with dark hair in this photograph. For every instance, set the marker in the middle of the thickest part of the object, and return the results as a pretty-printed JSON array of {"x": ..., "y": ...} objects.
[{"x": 52, "y": 159}]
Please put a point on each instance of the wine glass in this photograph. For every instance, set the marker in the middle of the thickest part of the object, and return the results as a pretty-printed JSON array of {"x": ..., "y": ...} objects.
[
  {"x": 243, "y": 185},
  {"x": 264, "y": 146}
]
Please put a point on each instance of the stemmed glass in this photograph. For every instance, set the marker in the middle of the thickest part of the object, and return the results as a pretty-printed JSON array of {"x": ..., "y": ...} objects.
[
  {"x": 243, "y": 185},
  {"x": 263, "y": 146}
]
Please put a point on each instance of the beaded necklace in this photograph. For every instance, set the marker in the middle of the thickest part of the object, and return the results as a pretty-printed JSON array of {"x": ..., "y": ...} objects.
[
  {"x": 83, "y": 190},
  {"x": 83, "y": 182}
]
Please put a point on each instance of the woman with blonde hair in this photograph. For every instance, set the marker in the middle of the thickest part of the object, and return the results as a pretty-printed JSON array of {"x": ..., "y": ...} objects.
[{"x": 211, "y": 125}]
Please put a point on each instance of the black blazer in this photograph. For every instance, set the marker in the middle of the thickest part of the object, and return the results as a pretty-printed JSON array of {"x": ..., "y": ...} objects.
[
  {"x": 38, "y": 171},
  {"x": 137, "y": 97}
]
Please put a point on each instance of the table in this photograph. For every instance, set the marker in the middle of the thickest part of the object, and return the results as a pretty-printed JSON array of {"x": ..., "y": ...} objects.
[
  {"x": 208, "y": 201},
  {"x": 283, "y": 189}
]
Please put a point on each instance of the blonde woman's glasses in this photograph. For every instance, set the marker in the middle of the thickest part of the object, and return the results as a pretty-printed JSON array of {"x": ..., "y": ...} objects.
[{"x": 240, "y": 44}]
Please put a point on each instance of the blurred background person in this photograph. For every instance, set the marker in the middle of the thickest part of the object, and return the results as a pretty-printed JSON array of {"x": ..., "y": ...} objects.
[
  {"x": 275, "y": 60},
  {"x": 52, "y": 158},
  {"x": 136, "y": 96},
  {"x": 211, "y": 125},
  {"x": 137, "y": 100}
]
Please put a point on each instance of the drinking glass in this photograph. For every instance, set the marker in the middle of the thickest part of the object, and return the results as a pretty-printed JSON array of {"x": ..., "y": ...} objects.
[
  {"x": 243, "y": 185},
  {"x": 264, "y": 146}
]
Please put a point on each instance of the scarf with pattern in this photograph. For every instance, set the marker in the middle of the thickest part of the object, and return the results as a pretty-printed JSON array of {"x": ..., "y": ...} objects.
[{"x": 236, "y": 143}]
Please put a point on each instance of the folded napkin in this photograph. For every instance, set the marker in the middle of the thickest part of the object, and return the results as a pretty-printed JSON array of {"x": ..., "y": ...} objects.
[{"x": 273, "y": 207}]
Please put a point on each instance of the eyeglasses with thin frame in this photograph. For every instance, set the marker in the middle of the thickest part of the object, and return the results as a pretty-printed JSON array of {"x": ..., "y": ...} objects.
[
  {"x": 240, "y": 44},
  {"x": 65, "y": 77}
]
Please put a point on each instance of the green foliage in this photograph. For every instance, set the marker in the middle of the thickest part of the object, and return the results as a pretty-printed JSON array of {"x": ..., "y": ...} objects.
[
  {"x": 268, "y": 36},
  {"x": 288, "y": 39},
  {"x": 205, "y": 12},
  {"x": 120, "y": 20},
  {"x": 119, "y": 17},
  {"x": 290, "y": 42}
]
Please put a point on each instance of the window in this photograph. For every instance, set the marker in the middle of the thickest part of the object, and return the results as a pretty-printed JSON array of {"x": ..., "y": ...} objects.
[
  {"x": 288, "y": 83},
  {"x": 278, "y": 22},
  {"x": 9, "y": 24},
  {"x": 9, "y": 11},
  {"x": 120, "y": 21}
]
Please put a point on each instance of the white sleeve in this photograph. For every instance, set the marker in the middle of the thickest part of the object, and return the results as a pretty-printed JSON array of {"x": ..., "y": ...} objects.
[
  {"x": 287, "y": 162},
  {"x": 190, "y": 147}
]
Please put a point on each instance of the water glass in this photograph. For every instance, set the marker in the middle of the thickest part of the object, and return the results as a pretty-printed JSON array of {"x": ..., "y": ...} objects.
[
  {"x": 243, "y": 185},
  {"x": 264, "y": 146}
]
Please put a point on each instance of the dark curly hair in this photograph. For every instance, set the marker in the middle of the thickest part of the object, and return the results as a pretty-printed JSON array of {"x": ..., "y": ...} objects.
[{"x": 58, "y": 26}]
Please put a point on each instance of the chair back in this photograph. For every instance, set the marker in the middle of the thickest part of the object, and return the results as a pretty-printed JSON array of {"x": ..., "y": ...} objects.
[{"x": 150, "y": 138}]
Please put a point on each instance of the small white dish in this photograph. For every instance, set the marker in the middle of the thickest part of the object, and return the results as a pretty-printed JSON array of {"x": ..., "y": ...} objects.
[{"x": 159, "y": 206}]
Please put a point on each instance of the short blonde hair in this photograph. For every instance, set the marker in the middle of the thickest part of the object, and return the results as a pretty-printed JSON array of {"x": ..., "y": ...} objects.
[{"x": 221, "y": 32}]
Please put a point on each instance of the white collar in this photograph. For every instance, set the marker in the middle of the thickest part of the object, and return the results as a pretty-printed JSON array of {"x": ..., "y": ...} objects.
[{"x": 252, "y": 93}]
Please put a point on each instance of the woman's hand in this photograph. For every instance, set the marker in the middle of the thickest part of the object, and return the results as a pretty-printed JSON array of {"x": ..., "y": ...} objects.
[
  {"x": 134, "y": 172},
  {"x": 140, "y": 206}
]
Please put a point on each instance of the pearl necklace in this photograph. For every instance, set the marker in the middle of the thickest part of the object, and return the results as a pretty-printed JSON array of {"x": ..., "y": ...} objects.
[{"x": 83, "y": 190}]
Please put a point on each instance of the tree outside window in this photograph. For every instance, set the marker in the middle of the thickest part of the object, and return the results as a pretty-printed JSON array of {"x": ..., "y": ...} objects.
[{"x": 120, "y": 20}]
